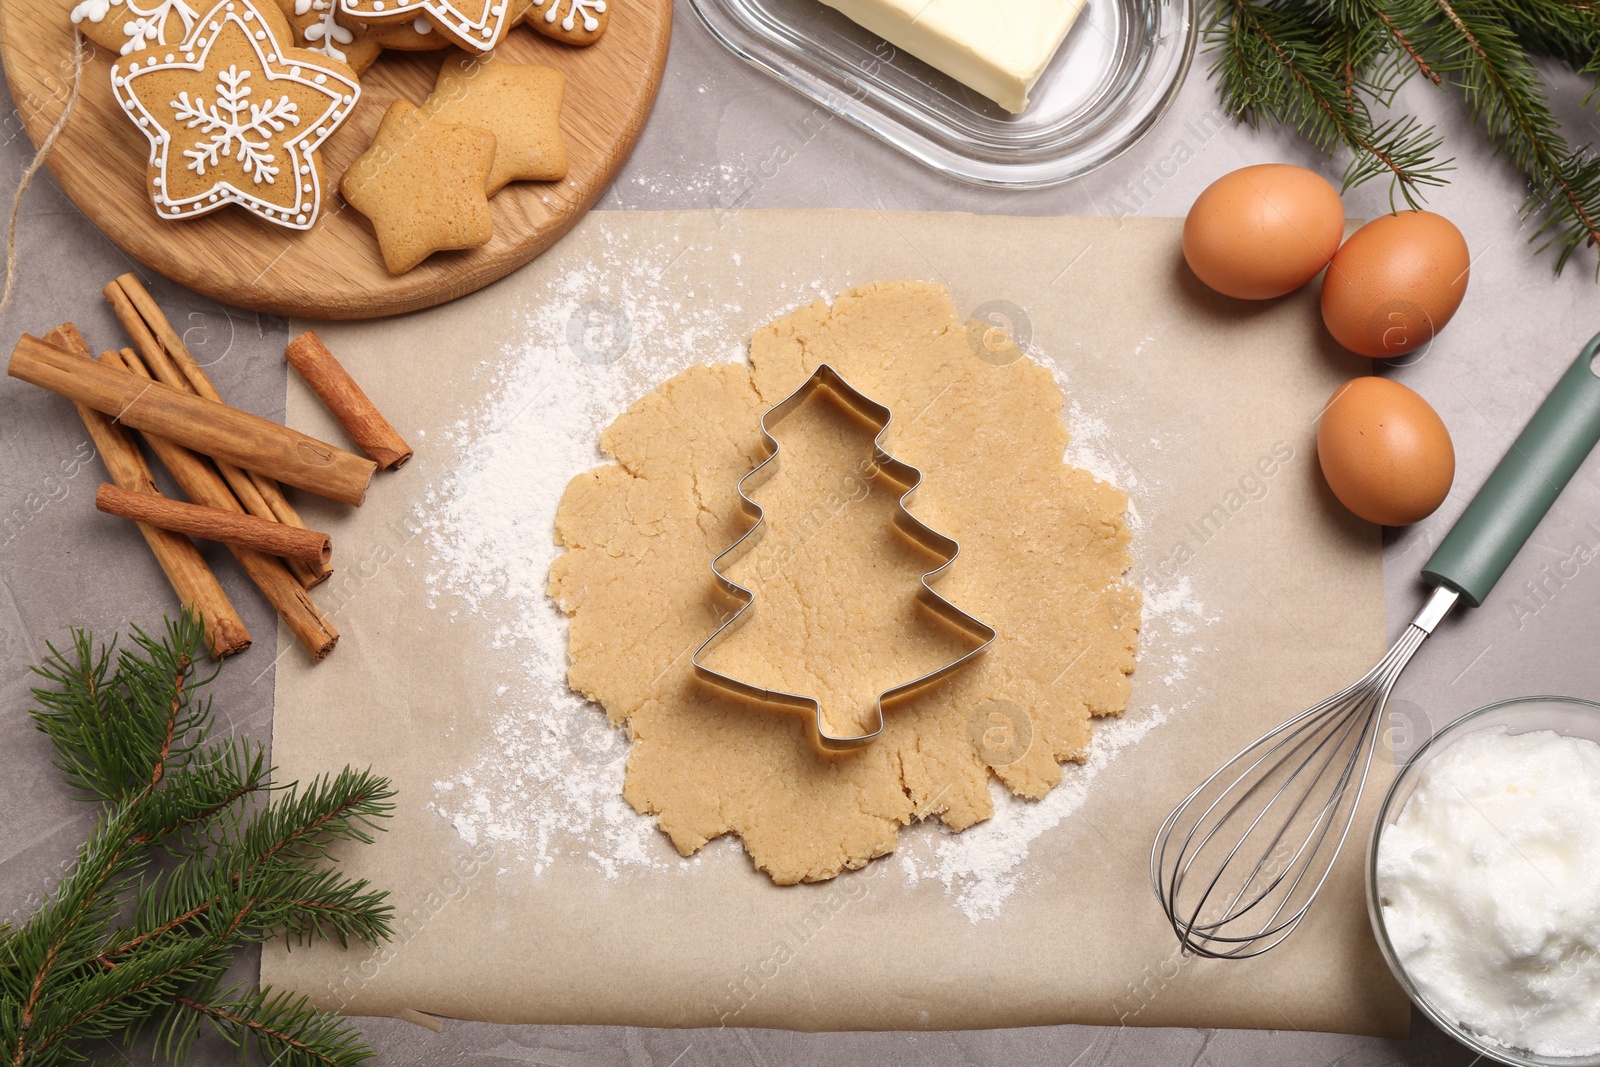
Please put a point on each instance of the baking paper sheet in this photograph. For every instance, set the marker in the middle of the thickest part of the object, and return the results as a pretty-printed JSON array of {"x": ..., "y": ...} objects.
[{"x": 1262, "y": 596}]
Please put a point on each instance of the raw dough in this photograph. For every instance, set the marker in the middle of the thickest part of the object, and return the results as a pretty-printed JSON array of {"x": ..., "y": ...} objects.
[{"x": 1043, "y": 551}]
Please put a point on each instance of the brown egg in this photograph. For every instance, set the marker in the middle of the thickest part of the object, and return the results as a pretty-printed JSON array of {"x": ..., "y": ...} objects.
[
  {"x": 1395, "y": 283},
  {"x": 1386, "y": 454},
  {"x": 1263, "y": 231}
]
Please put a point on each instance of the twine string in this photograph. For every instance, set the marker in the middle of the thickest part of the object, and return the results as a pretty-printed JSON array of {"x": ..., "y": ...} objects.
[{"x": 78, "y": 54}]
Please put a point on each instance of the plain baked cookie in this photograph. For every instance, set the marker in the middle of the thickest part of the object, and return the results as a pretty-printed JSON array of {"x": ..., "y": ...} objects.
[
  {"x": 517, "y": 102},
  {"x": 421, "y": 185},
  {"x": 1043, "y": 551}
]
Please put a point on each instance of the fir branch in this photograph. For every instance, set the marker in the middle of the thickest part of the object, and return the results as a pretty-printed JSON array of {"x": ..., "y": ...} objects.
[
  {"x": 302, "y": 824},
  {"x": 219, "y": 777},
  {"x": 1273, "y": 64},
  {"x": 1323, "y": 68},
  {"x": 114, "y": 735},
  {"x": 304, "y": 904},
  {"x": 1474, "y": 47},
  {"x": 47, "y": 951},
  {"x": 1409, "y": 49},
  {"x": 1565, "y": 29},
  {"x": 130, "y": 730},
  {"x": 282, "y": 1029}
]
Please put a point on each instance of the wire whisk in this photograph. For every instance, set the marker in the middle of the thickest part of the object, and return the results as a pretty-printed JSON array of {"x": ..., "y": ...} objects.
[{"x": 1239, "y": 862}]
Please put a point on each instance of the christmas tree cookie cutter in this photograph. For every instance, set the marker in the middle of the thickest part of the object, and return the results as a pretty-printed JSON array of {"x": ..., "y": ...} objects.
[{"x": 826, "y": 379}]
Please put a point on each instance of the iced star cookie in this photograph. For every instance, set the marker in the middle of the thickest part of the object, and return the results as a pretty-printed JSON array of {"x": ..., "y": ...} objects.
[
  {"x": 576, "y": 22},
  {"x": 422, "y": 185},
  {"x": 518, "y": 103},
  {"x": 476, "y": 25},
  {"x": 319, "y": 26},
  {"x": 234, "y": 117}
]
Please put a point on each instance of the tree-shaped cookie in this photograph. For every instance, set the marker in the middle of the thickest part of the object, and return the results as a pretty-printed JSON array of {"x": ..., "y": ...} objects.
[
  {"x": 233, "y": 116},
  {"x": 836, "y": 617}
]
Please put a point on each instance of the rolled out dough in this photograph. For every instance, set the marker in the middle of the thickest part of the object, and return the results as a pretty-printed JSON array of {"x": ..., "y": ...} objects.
[{"x": 1043, "y": 552}]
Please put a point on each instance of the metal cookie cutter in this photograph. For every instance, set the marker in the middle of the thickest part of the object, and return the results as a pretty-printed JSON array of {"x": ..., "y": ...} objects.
[{"x": 825, "y": 378}]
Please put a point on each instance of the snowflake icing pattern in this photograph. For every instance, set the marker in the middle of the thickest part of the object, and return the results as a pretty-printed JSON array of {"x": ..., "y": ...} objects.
[
  {"x": 237, "y": 127},
  {"x": 325, "y": 29}
]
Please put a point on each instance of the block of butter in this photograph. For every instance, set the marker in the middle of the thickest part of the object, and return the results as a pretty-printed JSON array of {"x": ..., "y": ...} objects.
[{"x": 998, "y": 47}]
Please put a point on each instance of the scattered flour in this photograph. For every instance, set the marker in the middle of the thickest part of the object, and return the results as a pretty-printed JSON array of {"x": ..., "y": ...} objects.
[
  {"x": 549, "y": 783},
  {"x": 548, "y": 786}
]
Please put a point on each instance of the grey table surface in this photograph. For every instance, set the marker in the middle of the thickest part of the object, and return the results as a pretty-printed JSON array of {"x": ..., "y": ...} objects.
[{"x": 724, "y": 135}]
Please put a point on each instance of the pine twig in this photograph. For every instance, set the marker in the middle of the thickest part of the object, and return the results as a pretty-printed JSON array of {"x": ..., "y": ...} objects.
[
  {"x": 131, "y": 730},
  {"x": 286, "y": 1031},
  {"x": 1474, "y": 46},
  {"x": 1323, "y": 68},
  {"x": 1272, "y": 63}
]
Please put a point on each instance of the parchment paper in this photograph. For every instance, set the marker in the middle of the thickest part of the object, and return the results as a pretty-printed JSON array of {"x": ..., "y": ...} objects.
[{"x": 1262, "y": 596}]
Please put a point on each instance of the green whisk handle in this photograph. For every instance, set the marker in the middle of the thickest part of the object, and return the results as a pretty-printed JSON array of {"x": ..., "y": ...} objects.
[{"x": 1541, "y": 461}]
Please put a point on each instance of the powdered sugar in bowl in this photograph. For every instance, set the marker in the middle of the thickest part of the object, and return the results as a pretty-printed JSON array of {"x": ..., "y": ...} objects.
[{"x": 1483, "y": 881}]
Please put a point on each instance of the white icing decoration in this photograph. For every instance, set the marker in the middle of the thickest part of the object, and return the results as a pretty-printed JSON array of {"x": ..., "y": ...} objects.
[
  {"x": 477, "y": 32},
  {"x": 324, "y": 29},
  {"x": 146, "y": 26},
  {"x": 577, "y": 9},
  {"x": 93, "y": 10},
  {"x": 236, "y": 126},
  {"x": 262, "y": 135}
]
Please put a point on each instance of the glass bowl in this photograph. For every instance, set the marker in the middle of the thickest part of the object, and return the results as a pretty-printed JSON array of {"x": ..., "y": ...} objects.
[
  {"x": 1563, "y": 715},
  {"x": 1112, "y": 79}
]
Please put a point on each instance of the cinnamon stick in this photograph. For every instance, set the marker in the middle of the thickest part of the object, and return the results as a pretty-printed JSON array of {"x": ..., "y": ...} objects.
[
  {"x": 346, "y": 400},
  {"x": 191, "y": 579},
  {"x": 214, "y": 524},
  {"x": 203, "y": 485},
  {"x": 170, "y": 360},
  {"x": 310, "y": 575},
  {"x": 194, "y": 422}
]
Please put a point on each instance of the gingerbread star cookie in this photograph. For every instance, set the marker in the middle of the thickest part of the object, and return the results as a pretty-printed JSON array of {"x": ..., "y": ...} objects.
[
  {"x": 234, "y": 117},
  {"x": 577, "y": 22},
  {"x": 320, "y": 26},
  {"x": 422, "y": 185},
  {"x": 518, "y": 103},
  {"x": 476, "y": 25}
]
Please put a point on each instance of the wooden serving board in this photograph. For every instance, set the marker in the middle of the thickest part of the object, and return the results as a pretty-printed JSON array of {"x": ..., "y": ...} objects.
[{"x": 333, "y": 271}]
